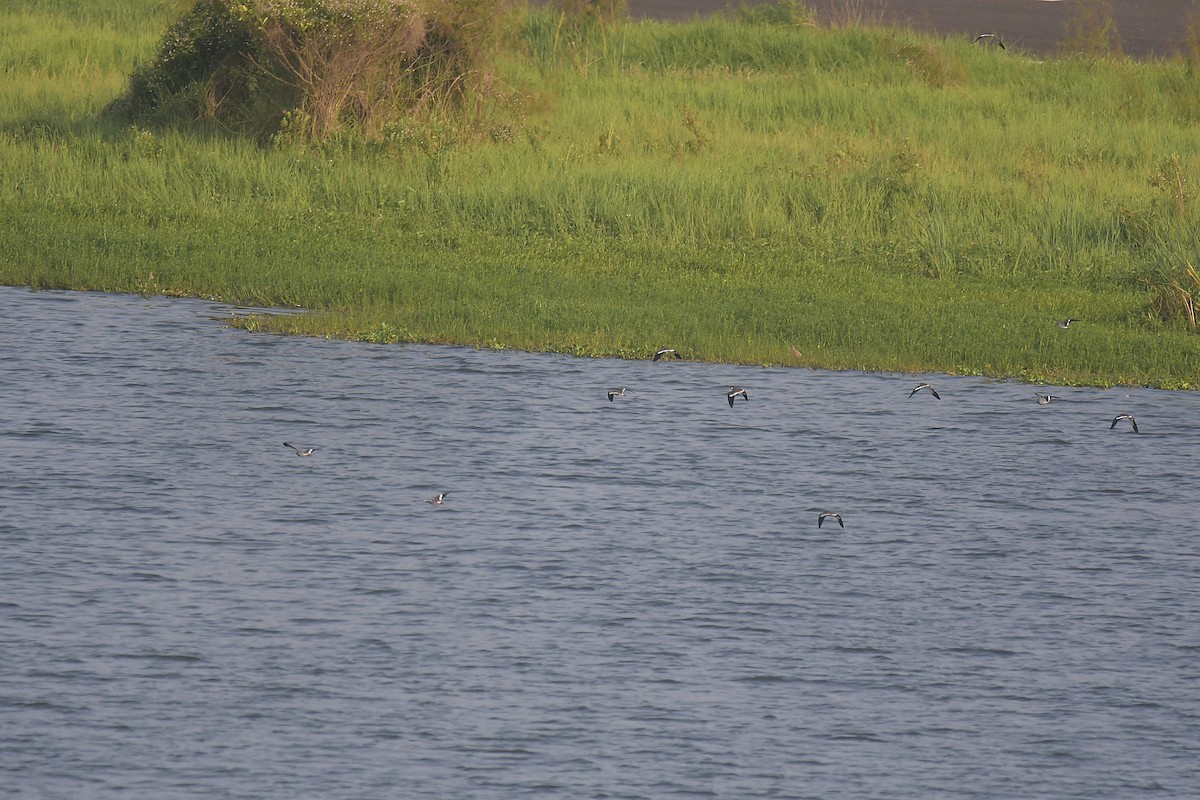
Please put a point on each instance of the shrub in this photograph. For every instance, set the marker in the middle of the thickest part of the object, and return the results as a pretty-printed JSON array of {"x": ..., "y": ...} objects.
[
  {"x": 1191, "y": 38},
  {"x": 1091, "y": 31},
  {"x": 316, "y": 66},
  {"x": 205, "y": 47}
]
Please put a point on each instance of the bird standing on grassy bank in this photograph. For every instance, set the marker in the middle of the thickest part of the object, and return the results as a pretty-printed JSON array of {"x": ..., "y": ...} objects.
[
  {"x": 733, "y": 393},
  {"x": 921, "y": 386},
  {"x": 1120, "y": 417}
]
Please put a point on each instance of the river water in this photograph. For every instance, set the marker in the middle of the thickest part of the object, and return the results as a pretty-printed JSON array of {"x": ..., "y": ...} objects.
[{"x": 627, "y": 599}]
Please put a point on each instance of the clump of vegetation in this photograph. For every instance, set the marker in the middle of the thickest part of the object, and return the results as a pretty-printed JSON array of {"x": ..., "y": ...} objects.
[
  {"x": 594, "y": 12},
  {"x": 787, "y": 13},
  {"x": 312, "y": 68},
  {"x": 1091, "y": 31},
  {"x": 1175, "y": 296},
  {"x": 1191, "y": 38}
]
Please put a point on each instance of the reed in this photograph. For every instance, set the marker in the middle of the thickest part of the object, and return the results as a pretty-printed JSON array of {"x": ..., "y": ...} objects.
[{"x": 734, "y": 187}]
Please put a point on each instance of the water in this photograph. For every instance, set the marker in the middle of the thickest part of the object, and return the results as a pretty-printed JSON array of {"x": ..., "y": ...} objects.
[{"x": 625, "y": 599}]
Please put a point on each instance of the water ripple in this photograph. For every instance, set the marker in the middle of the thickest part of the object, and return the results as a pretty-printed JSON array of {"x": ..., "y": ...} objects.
[{"x": 618, "y": 599}]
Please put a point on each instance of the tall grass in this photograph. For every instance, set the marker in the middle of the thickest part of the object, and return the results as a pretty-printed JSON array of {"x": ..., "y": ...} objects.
[{"x": 876, "y": 198}]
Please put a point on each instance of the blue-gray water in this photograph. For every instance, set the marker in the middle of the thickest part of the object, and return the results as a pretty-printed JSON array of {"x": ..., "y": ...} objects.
[{"x": 626, "y": 599}]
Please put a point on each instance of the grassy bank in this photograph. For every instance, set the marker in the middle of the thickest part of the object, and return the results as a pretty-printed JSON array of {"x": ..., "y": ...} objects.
[{"x": 874, "y": 198}]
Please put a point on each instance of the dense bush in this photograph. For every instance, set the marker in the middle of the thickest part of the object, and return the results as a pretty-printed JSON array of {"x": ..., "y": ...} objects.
[{"x": 315, "y": 67}]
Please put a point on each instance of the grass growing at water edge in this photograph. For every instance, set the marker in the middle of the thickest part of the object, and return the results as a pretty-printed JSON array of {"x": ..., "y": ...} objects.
[{"x": 875, "y": 198}]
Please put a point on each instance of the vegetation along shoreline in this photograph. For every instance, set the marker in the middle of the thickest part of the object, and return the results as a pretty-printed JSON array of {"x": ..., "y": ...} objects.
[{"x": 764, "y": 186}]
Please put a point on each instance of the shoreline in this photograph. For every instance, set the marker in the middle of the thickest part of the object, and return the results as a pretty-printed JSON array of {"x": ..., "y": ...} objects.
[{"x": 1148, "y": 29}]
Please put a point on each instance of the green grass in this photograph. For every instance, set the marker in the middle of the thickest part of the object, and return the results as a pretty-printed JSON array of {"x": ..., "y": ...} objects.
[{"x": 878, "y": 199}]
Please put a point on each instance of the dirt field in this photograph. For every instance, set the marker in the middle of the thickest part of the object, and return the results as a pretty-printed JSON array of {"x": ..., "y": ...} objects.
[{"x": 1148, "y": 28}]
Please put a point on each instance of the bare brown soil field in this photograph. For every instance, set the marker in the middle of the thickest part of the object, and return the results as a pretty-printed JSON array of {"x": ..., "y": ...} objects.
[{"x": 1148, "y": 28}]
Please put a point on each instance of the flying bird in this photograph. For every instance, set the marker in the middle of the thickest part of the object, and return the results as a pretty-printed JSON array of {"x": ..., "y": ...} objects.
[
  {"x": 734, "y": 391},
  {"x": 834, "y": 514},
  {"x": 921, "y": 386},
  {"x": 985, "y": 37},
  {"x": 1120, "y": 417},
  {"x": 618, "y": 393},
  {"x": 1066, "y": 323},
  {"x": 437, "y": 501},
  {"x": 667, "y": 351},
  {"x": 1044, "y": 399},
  {"x": 302, "y": 452}
]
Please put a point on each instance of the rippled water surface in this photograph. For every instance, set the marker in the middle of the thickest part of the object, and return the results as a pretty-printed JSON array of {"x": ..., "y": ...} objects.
[{"x": 617, "y": 599}]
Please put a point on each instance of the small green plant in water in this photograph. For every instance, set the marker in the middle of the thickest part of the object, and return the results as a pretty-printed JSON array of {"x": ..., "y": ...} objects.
[
  {"x": 1091, "y": 31},
  {"x": 148, "y": 286}
]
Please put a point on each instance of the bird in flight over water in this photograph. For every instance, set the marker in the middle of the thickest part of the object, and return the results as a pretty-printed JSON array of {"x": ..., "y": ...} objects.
[
  {"x": 921, "y": 386},
  {"x": 437, "y": 501},
  {"x": 667, "y": 351},
  {"x": 733, "y": 393},
  {"x": 618, "y": 393},
  {"x": 834, "y": 515},
  {"x": 1120, "y": 417},
  {"x": 987, "y": 37},
  {"x": 302, "y": 452}
]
